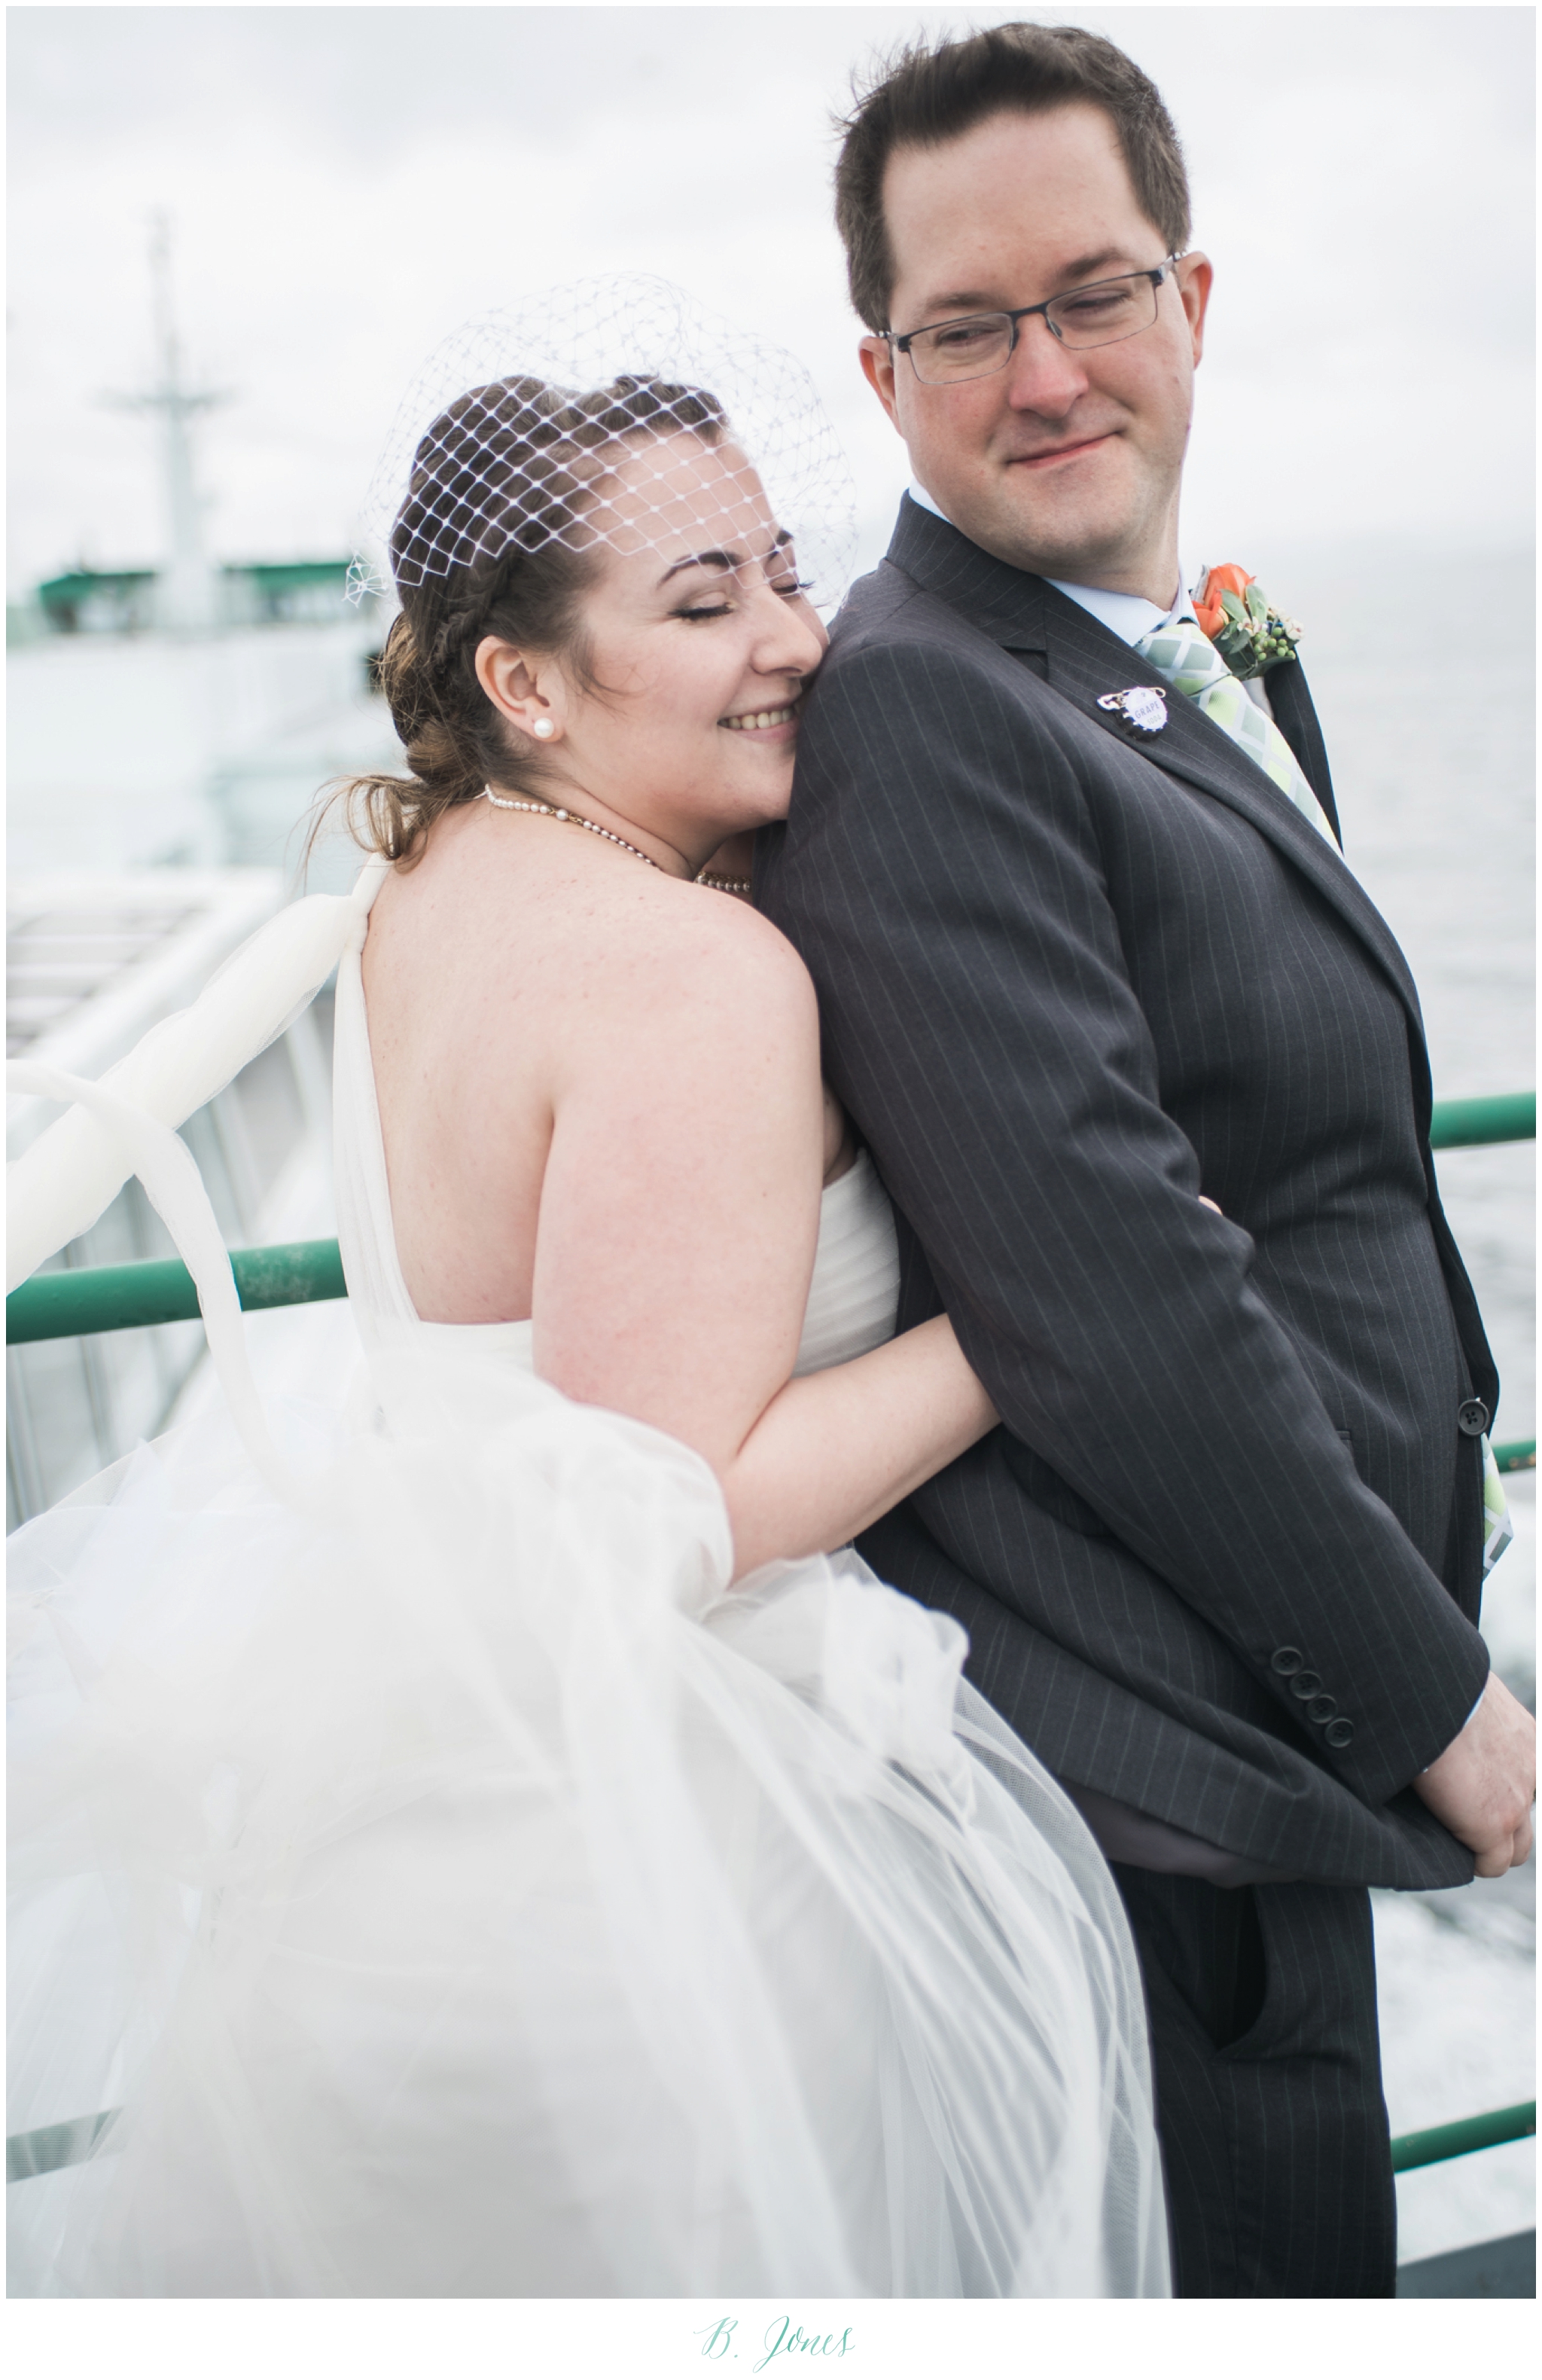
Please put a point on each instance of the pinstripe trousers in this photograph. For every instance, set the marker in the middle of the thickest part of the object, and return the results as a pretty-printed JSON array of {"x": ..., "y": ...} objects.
[{"x": 1274, "y": 2135}]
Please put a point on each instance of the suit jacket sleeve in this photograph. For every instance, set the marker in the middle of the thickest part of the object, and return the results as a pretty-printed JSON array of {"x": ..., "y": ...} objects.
[{"x": 982, "y": 1026}]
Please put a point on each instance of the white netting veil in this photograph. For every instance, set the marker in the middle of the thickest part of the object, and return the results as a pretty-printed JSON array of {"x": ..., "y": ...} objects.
[{"x": 614, "y": 410}]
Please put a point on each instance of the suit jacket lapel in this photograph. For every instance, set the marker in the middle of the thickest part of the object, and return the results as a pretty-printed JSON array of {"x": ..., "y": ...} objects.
[
  {"x": 1085, "y": 659},
  {"x": 1297, "y": 720},
  {"x": 1082, "y": 653}
]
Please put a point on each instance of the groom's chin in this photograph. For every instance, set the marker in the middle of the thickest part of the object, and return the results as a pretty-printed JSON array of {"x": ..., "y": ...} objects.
[{"x": 1080, "y": 529}]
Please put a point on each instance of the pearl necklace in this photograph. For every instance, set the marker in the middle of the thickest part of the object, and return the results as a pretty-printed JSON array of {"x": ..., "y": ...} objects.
[{"x": 571, "y": 817}]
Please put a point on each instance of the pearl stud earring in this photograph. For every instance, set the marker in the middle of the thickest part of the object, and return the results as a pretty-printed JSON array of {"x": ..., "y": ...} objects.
[{"x": 543, "y": 728}]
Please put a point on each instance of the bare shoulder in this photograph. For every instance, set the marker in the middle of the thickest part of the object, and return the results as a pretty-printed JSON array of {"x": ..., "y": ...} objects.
[
  {"x": 607, "y": 929},
  {"x": 693, "y": 1033},
  {"x": 680, "y": 948}
]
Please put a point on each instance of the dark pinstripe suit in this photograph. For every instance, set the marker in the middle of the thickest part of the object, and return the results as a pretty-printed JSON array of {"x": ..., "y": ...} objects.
[{"x": 1070, "y": 977}]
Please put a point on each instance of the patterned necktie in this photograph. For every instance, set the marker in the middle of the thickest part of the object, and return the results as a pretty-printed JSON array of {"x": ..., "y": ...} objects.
[
  {"x": 1188, "y": 660},
  {"x": 1499, "y": 1529}
]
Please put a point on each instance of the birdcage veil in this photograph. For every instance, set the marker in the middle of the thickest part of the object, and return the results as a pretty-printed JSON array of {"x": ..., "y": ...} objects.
[{"x": 516, "y": 424}]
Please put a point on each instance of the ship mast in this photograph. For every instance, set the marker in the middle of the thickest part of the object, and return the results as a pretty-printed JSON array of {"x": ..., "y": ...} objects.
[{"x": 184, "y": 593}]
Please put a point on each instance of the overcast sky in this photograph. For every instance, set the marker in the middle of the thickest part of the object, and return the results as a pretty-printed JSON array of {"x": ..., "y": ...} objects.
[{"x": 348, "y": 184}]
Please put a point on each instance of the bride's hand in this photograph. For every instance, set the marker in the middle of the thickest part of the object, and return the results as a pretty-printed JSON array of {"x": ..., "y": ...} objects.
[
  {"x": 840, "y": 1141},
  {"x": 837, "y": 1450}
]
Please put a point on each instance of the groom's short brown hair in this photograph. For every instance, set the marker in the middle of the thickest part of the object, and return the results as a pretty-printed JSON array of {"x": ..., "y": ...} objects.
[{"x": 936, "y": 91}]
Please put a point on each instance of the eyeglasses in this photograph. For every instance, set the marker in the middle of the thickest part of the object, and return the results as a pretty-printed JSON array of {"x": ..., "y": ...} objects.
[{"x": 977, "y": 344}]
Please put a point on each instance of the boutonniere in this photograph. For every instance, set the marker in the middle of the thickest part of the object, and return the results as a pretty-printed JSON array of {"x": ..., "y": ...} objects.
[{"x": 1236, "y": 615}]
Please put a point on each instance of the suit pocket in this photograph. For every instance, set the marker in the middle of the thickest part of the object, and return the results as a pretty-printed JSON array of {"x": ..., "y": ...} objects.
[{"x": 1038, "y": 1480}]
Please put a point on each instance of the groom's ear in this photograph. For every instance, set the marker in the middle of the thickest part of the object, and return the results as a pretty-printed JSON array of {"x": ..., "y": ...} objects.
[{"x": 877, "y": 360}]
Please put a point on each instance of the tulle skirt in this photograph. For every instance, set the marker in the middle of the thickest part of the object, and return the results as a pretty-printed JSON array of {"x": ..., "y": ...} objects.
[{"x": 450, "y": 1888}]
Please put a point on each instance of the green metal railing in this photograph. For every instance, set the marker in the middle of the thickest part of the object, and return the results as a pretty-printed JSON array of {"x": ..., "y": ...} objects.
[
  {"x": 1478, "y": 1124},
  {"x": 127, "y": 1296},
  {"x": 56, "y": 2145},
  {"x": 303, "y": 1272},
  {"x": 1443, "y": 2141}
]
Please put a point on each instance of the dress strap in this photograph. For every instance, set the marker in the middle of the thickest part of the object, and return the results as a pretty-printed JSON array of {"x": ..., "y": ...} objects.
[
  {"x": 174, "y": 1188},
  {"x": 76, "y": 1169}
]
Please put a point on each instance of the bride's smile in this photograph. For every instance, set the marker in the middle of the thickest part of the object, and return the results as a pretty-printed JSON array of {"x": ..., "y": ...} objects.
[{"x": 763, "y": 725}]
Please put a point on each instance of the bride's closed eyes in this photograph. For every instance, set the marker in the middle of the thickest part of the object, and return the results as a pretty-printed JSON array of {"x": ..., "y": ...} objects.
[
  {"x": 729, "y": 568},
  {"x": 790, "y": 590}
]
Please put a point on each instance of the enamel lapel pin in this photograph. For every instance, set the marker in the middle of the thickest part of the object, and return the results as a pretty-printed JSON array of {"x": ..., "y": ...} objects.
[{"x": 1141, "y": 707}]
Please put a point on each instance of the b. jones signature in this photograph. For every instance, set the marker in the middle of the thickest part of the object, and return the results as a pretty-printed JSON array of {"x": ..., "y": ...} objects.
[{"x": 783, "y": 2337}]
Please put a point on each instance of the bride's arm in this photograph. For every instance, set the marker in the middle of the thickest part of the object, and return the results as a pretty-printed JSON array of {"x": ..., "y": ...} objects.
[
  {"x": 678, "y": 1215},
  {"x": 833, "y": 1452}
]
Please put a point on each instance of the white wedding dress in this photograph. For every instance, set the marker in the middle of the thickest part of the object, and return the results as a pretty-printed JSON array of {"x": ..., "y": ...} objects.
[{"x": 445, "y": 1886}]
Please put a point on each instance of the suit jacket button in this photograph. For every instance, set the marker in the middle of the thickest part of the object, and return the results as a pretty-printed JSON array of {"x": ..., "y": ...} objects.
[
  {"x": 1339, "y": 1732},
  {"x": 1286, "y": 1661},
  {"x": 1304, "y": 1684},
  {"x": 1320, "y": 1709},
  {"x": 1472, "y": 1417}
]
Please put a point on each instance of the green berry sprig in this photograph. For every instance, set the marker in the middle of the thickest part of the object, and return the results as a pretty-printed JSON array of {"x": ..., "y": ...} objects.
[{"x": 1254, "y": 636}]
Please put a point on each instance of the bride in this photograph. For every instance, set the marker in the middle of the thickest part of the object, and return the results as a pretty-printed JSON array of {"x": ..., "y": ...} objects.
[{"x": 508, "y": 1844}]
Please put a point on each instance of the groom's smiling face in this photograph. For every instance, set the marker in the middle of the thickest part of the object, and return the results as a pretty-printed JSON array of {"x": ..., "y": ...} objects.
[{"x": 1067, "y": 462}]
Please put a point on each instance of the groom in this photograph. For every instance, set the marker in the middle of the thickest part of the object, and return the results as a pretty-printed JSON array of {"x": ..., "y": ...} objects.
[{"x": 1087, "y": 954}]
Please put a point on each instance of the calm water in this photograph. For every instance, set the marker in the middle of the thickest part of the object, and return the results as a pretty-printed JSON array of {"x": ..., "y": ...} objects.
[{"x": 1433, "y": 757}]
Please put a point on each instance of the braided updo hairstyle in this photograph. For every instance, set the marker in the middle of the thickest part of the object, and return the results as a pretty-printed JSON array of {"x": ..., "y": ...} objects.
[{"x": 489, "y": 543}]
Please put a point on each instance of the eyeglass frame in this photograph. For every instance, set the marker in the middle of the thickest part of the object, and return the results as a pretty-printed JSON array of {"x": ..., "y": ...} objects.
[{"x": 899, "y": 341}]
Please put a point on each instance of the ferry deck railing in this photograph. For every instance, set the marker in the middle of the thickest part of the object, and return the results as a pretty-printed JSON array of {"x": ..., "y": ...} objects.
[
  {"x": 53, "y": 2146},
  {"x": 69, "y": 1304}
]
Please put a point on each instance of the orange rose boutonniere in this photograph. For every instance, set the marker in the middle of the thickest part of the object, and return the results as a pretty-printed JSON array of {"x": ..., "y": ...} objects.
[{"x": 1242, "y": 624}]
